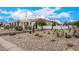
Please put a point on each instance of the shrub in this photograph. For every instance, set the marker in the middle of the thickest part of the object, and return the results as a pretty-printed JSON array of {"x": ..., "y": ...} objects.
[
  {"x": 28, "y": 27},
  {"x": 1, "y": 24},
  {"x": 53, "y": 40},
  {"x": 40, "y": 22},
  {"x": 59, "y": 34},
  {"x": 7, "y": 27},
  {"x": 76, "y": 23},
  {"x": 44, "y": 32},
  {"x": 18, "y": 28},
  {"x": 70, "y": 45},
  {"x": 30, "y": 32},
  {"x": 12, "y": 34},
  {"x": 37, "y": 34},
  {"x": 40, "y": 36},
  {"x": 48, "y": 32},
  {"x": 76, "y": 35},
  {"x": 68, "y": 36}
]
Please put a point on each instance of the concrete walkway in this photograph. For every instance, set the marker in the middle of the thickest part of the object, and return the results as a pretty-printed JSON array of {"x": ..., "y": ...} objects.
[
  {"x": 2, "y": 48},
  {"x": 9, "y": 46}
]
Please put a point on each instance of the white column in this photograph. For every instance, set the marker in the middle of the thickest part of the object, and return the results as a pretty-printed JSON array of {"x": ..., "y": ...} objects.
[{"x": 23, "y": 26}]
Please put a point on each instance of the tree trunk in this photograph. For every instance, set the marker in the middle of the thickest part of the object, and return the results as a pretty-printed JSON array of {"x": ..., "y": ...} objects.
[
  {"x": 33, "y": 29},
  {"x": 36, "y": 25},
  {"x": 42, "y": 28},
  {"x": 52, "y": 27}
]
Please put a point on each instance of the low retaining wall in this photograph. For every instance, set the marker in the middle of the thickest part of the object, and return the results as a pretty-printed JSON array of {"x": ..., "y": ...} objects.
[
  {"x": 17, "y": 32},
  {"x": 54, "y": 27}
]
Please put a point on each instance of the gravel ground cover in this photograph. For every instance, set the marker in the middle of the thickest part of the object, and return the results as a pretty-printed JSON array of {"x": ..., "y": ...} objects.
[{"x": 43, "y": 41}]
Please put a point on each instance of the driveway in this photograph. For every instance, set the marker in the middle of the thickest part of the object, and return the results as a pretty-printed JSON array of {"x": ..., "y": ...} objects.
[{"x": 2, "y": 48}]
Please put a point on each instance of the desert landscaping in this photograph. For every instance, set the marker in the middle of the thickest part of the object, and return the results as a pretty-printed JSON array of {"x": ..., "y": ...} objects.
[
  {"x": 45, "y": 40},
  {"x": 40, "y": 29}
]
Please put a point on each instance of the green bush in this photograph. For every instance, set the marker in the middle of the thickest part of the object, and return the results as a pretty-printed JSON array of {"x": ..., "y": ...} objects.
[
  {"x": 1, "y": 24},
  {"x": 18, "y": 28},
  {"x": 76, "y": 23},
  {"x": 28, "y": 27},
  {"x": 7, "y": 27}
]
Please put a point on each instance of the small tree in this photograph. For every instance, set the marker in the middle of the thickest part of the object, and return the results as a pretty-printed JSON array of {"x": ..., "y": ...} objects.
[
  {"x": 36, "y": 25},
  {"x": 11, "y": 25},
  {"x": 33, "y": 29},
  {"x": 54, "y": 23},
  {"x": 1, "y": 24},
  {"x": 76, "y": 23},
  {"x": 67, "y": 24},
  {"x": 41, "y": 22},
  {"x": 18, "y": 28}
]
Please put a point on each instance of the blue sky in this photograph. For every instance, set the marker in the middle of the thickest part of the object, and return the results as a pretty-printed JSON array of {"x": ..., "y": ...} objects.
[{"x": 60, "y": 14}]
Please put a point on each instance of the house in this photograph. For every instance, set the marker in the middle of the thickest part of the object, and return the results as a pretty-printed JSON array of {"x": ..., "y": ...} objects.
[{"x": 30, "y": 22}]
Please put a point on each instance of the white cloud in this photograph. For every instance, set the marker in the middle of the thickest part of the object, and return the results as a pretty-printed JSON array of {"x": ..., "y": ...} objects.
[
  {"x": 58, "y": 21},
  {"x": 23, "y": 15},
  {"x": 60, "y": 15},
  {"x": 44, "y": 12},
  {"x": 5, "y": 12},
  {"x": 19, "y": 14},
  {"x": 63, "y": 14},
  {"x": 71, "y": 20},
  {"x": 1, "y": 17},
  {"x": 57, "y": 8},
  {"x": 26, "y": 15}
]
